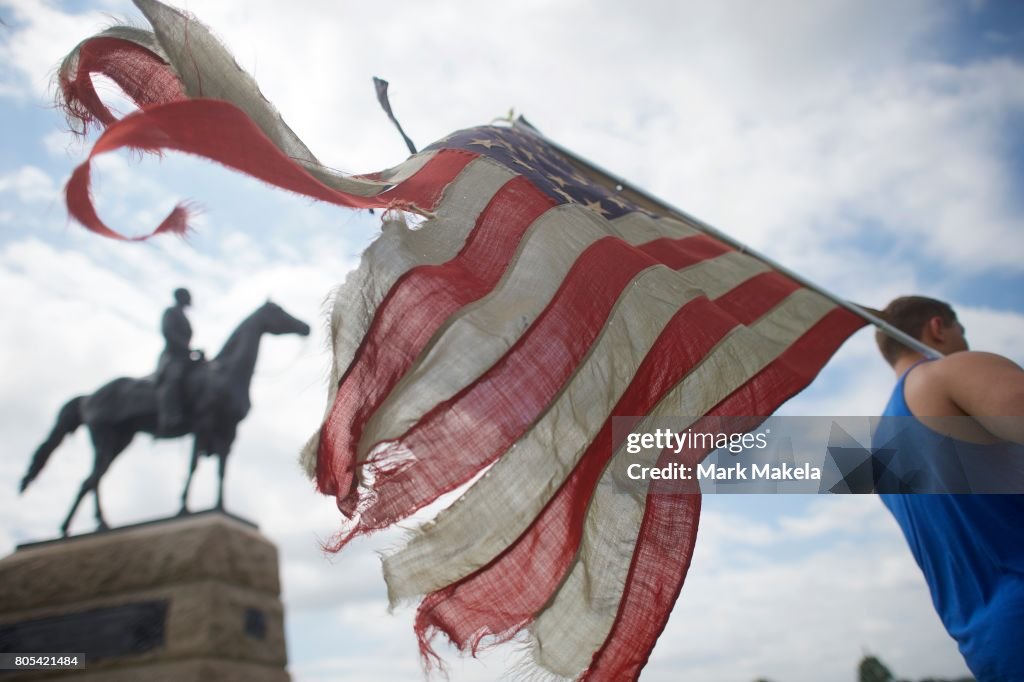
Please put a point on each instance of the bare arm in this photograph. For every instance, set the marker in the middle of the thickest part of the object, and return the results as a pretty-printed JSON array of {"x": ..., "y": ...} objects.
[{"x": 990, "y": 388}]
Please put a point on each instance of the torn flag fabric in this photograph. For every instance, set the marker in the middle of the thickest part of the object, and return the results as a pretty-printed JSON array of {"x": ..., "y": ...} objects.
[{"x": 493, "y": 341}]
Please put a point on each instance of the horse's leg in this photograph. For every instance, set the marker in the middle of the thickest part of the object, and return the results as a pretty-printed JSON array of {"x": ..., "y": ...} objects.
[
  {"x": 220, "y": 483},
  {"x": 113, "y": 445},
  {"x": 90, "y": 483},
  {"x": 191, "y": 471},
  {"x": 101, "y": 523},
  {"x": 86, "y": 487}
]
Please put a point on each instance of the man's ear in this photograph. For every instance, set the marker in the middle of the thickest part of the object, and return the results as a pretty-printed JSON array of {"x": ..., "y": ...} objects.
[{"x": 936, "y": 329}]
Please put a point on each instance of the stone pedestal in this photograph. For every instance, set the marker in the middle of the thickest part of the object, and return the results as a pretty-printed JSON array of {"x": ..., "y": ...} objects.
[{"x": 189, "y": 599}]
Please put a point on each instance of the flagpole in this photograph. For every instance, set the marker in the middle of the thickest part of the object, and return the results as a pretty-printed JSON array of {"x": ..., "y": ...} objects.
[{"x": 621, "y": 185}]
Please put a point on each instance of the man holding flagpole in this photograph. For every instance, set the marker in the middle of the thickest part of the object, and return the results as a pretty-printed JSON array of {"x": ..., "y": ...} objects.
[{"x": 969, "y": 547}]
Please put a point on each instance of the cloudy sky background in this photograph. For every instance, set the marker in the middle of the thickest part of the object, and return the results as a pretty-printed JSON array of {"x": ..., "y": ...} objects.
[{"x": 875, "y": 147}]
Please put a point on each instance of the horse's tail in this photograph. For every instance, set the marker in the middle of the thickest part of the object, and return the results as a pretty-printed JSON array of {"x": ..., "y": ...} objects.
[{"x": 68, "y": 419}]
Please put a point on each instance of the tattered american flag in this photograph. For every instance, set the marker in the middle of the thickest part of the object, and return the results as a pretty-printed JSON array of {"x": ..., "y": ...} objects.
[{"x": 534, "y": 301}]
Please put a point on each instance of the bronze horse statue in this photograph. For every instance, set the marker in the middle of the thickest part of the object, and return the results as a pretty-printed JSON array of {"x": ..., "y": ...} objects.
[{"x": 216, "y": 398}]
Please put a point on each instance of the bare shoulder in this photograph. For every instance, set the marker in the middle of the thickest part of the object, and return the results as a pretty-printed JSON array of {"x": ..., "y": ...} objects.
[
  {"x": 966, "y": 383},
  {"x": 973, "y": 364},
  {"x": 985, "y": 386},
  {"x": 981, "y": 383}
]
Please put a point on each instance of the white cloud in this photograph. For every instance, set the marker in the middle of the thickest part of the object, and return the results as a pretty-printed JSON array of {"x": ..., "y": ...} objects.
[
  {"x": 996, "y": 331},
  {"x": 30, "y": 184},
  {"x": 63, "y": 146},
  {"x": 43, "y": 35},
  {"x": 832, "y": 515}
]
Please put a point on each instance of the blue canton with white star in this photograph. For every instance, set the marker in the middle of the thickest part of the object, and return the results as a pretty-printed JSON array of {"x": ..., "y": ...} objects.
[{"x": 544, "y": 166}]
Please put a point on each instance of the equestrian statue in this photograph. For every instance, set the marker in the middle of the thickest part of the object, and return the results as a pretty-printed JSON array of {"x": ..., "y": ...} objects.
[{"x": 207, "y": 399}]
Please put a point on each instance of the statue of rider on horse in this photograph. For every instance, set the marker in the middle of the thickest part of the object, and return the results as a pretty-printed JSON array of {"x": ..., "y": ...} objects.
[{"x": 206, "y": 399}]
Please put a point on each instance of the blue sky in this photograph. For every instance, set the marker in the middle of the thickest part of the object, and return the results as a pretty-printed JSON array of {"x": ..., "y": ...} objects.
[{"x": 874, "y": 147}]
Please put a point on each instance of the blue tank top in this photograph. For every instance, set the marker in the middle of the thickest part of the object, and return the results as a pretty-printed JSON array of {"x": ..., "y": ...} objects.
[{"x": 969, "y": 547}]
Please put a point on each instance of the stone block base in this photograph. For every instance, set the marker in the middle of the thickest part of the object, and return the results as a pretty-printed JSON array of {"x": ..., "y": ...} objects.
[{"x": 189, "y": 599}]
